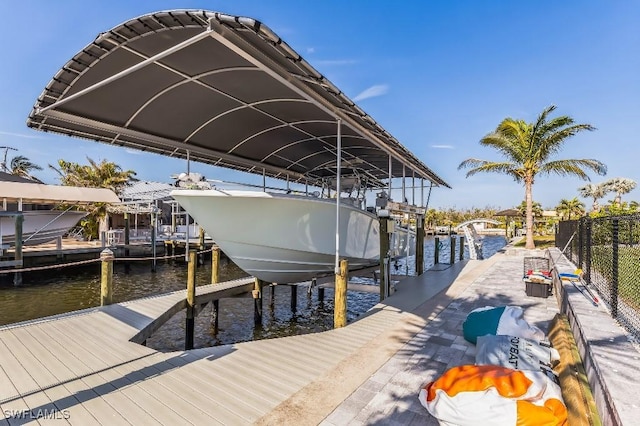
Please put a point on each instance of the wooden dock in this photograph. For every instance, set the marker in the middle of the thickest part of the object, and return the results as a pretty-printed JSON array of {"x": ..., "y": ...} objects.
[{"x": 86, "y": 367}]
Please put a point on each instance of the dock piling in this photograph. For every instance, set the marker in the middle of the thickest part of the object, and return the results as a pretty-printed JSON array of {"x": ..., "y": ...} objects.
[
  {"x": 461, "y": 248},
  {"x": 191, "y": 300},
  {"x": 384, "y": 250},
  {"x": 436, "y": 250},
  {"x": 215, "y": 315},
  {"x": 17, "y": 255},
  {"x": 340, "y": 306},
  {"x": 452, "y": 250},
  {"x": 294, "y": 298},
  {"x": 257, "y": 302},
  {"x": 215, "y": 265},
  {"x": 106, "y": 277},
  {"x": 419, "y": 245}
]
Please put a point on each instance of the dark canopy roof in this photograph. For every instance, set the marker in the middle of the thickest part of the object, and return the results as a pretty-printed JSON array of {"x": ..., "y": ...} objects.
[{"x": 225, "y": 88}]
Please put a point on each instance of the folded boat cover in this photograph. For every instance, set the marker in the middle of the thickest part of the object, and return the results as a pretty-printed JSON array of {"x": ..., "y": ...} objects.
[
  {"x": 492, "y": 395},
  {"x": 504, "y": 320},
  {"x": 517, "y": 353}
]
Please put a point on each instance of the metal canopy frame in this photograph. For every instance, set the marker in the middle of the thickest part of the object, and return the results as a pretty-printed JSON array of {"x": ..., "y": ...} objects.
[{"x": 223, "y": 90}]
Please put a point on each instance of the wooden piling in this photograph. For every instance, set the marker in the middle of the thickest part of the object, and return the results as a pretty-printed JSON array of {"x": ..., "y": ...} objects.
[
  {"x": 436, "y": 250},
  {"x": 215, "y": 315},
  {"x": 215, "y": 265},
  {"x": 153, "y": 242},
  {"x": 294, "y": 298},
  {"x": 320, "y": 294},
  {"x": 201, "y": 246},
  {"x": 384, "y": 250},
  {"x": 257, "y": 302},
  {"x": 419, "y": 245},
  {"x": 106, "y": 277},
  {"x": 452, "y": 250},
  {"x": 17, "y": 254},
  {"x": 340, "y": 305},
  {"x": 127, "y": 267},
  {"x": 461, "y": 248},
  {"x": 191, "y": 301}
]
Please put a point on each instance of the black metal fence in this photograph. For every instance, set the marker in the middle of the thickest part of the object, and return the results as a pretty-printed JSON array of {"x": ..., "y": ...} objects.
[{"x": 607, "y": 249}]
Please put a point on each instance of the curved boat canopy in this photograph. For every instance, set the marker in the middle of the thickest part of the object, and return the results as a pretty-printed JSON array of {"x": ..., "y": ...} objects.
[
  {"x": 222, "y": 90},
  {"x": 472, "y": 221}
]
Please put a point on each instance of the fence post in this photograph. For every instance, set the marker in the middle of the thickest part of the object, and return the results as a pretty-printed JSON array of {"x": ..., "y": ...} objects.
[
  {"x": 106, "y": 277},
  {"x": 614, "y": 266},
  {"x": 580, "y": 242}
]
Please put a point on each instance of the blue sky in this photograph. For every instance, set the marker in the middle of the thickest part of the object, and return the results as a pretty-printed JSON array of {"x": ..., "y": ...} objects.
[{"x": 438, "y": 75}]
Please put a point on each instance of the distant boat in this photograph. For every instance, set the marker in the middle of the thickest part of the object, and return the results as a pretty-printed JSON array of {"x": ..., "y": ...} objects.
[
  {"x": 39, "y": 226},
  {"x": 443, "y": 230},
  {"x": 286, "y": 238}
]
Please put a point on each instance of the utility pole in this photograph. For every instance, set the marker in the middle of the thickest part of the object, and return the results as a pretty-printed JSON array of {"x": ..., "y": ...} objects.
[{"x": 4, "y": 159}]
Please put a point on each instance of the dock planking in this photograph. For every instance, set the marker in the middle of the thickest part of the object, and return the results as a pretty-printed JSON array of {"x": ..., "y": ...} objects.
[{"x": 90, "y": 366}]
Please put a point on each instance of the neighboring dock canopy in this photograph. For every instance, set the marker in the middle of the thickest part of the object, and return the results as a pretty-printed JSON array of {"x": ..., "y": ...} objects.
[
  {"x": 42, "y": 194},
  {"x": 227, "y": 90}
]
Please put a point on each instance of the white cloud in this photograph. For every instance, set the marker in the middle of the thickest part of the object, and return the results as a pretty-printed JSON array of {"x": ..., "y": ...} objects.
[
  {"x": 133, "y": 151},
  {"x": 311, "y": 49},
  {"x": 372, "y": 92},
  {"x": 442, "y": 146}
]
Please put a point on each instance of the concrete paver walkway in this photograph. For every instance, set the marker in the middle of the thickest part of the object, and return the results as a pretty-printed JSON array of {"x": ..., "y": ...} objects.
[{"x": 390, "y": 396}]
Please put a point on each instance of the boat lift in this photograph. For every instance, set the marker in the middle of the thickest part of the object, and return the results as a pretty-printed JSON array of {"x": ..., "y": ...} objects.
[{"x": 474, "y": 241}]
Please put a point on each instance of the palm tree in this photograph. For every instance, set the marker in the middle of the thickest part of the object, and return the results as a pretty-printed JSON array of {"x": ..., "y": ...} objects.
[
  {"x": 620, "y": 186},
  {"x": 536, "y": 208},
  {"x": 105, "y": 174},
  {"x": 21, "y": 166},
  {"x": 595, "y": 191},
  {"x": 528, "y": 148},
  {"x": 568, "y": 208}
]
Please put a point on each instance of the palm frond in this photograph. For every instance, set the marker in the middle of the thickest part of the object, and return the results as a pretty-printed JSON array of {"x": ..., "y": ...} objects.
[{"x": 573, "y": 167}]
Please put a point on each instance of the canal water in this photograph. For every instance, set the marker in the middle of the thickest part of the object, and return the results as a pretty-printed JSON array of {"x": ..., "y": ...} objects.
[{"x": 68, "y": 289}]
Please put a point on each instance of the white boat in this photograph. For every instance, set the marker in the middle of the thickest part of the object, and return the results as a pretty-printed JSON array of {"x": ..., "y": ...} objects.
[
  {"x": 284, "y": 238},
  {"x": 38, "y": 226}
]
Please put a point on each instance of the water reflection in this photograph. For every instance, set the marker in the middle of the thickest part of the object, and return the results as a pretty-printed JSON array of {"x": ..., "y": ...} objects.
[{"x": 69, "y": 289}]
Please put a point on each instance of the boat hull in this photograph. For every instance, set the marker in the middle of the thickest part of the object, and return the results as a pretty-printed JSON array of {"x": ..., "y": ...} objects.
[
  {"x": 281, "y": 238},
  {"x": 39, "y": 226}
]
